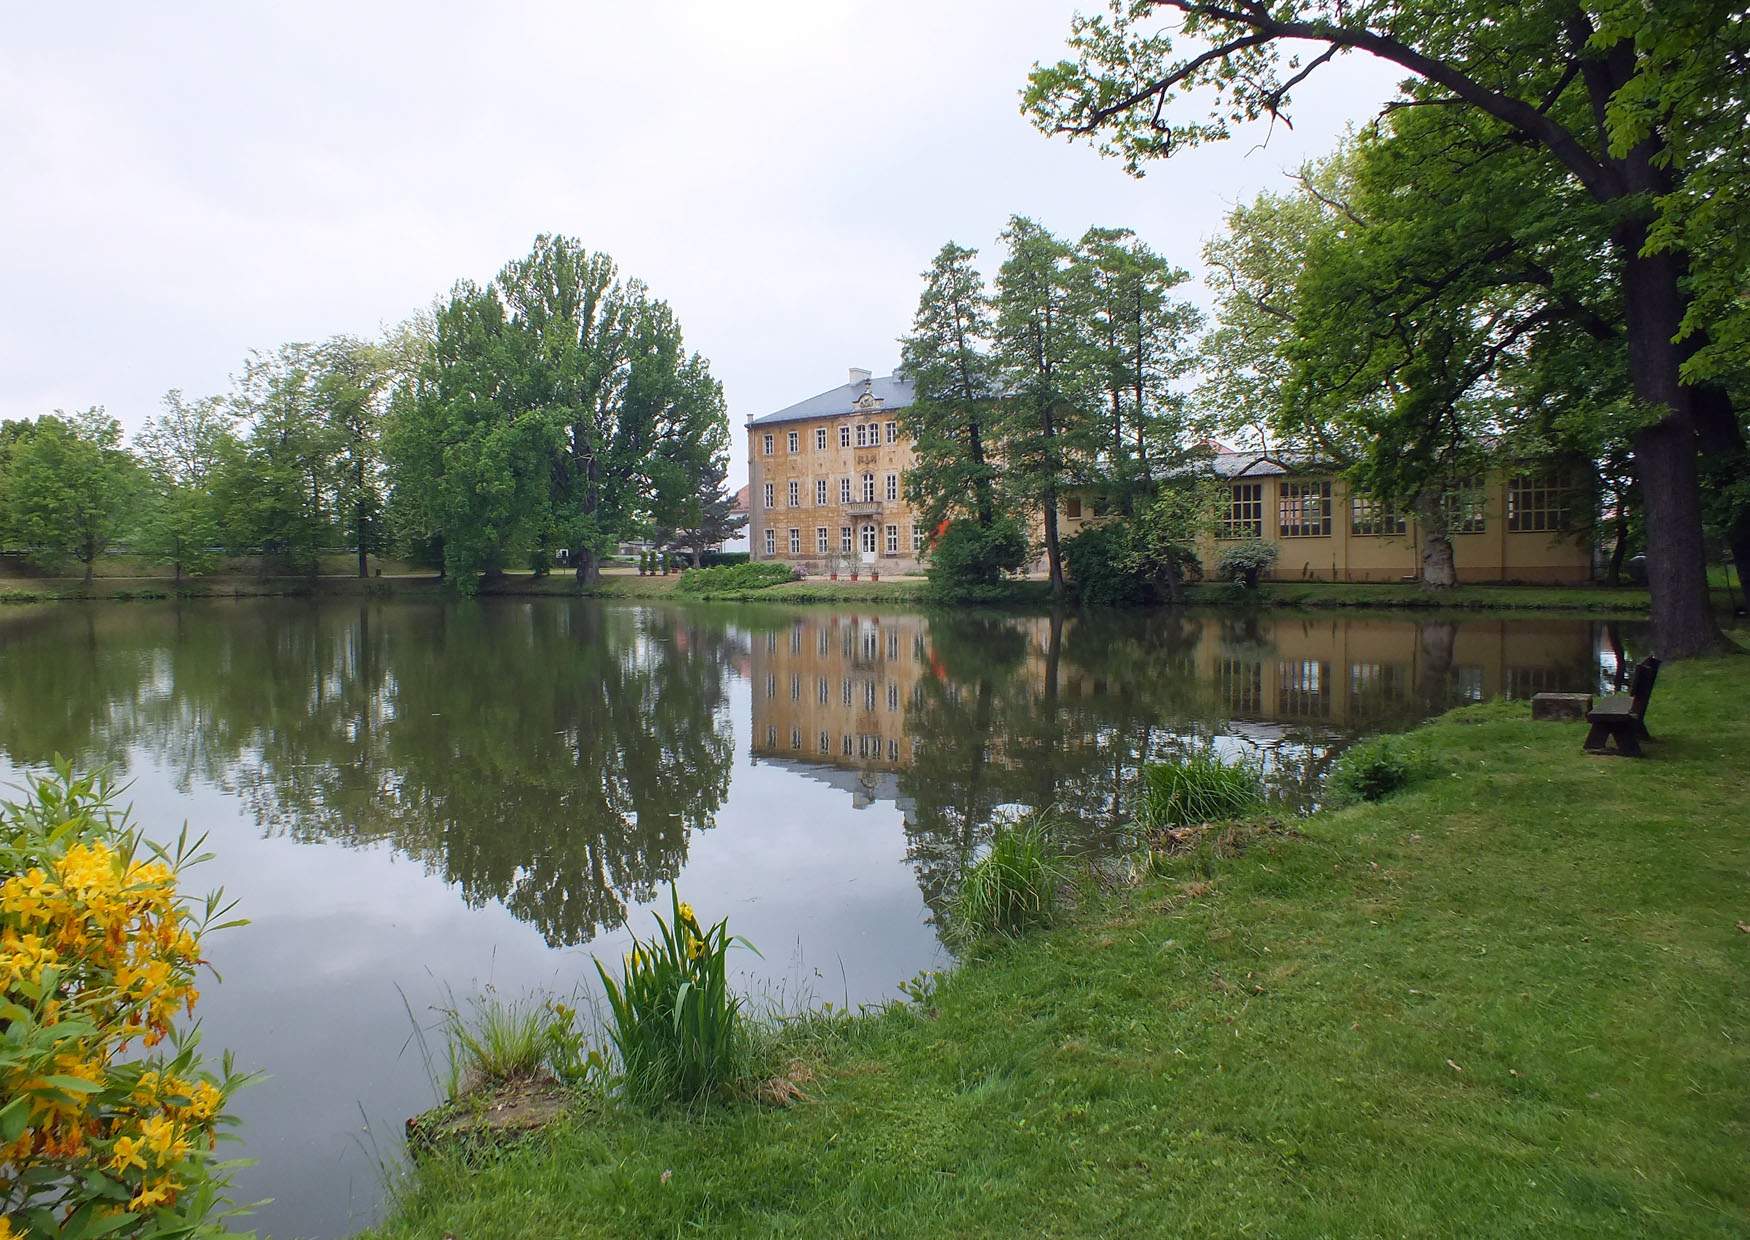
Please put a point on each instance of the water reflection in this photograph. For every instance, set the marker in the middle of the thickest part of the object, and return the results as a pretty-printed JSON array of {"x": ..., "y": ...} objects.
[{"x": 548, "y": 765}]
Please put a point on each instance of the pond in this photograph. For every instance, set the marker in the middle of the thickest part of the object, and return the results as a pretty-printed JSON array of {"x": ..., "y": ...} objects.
[{"x": 420, "y": 799}]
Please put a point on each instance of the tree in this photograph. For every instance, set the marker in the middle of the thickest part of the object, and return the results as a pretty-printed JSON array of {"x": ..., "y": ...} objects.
[
  {"x": 948, "y": 358},
  {"x": 1635, "y": 103},
  {"x": 69, "y": 488},
  {"x": 1045, "y": 433},
  {"x": 1143, "y": 340},
  {"x": 352, "y": 389},
  {"x": 180, "y": 451}
]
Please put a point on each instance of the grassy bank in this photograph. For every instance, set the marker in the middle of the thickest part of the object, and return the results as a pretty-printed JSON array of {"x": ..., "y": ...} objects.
[{"x": 1510, "y": 1000}]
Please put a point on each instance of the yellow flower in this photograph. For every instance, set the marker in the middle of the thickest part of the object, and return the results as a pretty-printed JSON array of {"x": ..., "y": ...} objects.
[
  {"x": 153, "y": 1195},
  {"x": 9, "y": 1232},
  {"x": 687, "y": 914},
  {"x": 127, "y": 1154},
  {"x": 695, "y": 948}
]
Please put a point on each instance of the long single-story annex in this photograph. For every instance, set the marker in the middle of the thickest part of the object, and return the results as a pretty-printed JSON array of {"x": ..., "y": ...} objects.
[{"x": 827, "y": 491}]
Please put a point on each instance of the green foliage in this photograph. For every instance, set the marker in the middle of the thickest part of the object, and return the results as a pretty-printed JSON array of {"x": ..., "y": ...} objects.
[
  {"x": 716, "y": 559},
  {"x": 1376, "y": 768},
  {"x": 1103, "y": 569},
  {"x": 969, "y": 560},
  {"x": 502, "y": 1042},
  {"x": 675, "y": 1027},
  {"x": 69, "y": 489},
  {"x": 1246, "y": 561},
  {"x": 1014, "y": 886},
  {"x": 1198, "y": 788},
  {"x": 744, "y": 576}
]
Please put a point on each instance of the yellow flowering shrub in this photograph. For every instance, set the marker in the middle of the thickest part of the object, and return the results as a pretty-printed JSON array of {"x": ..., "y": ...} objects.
[{"x": 108, "y": 1120}]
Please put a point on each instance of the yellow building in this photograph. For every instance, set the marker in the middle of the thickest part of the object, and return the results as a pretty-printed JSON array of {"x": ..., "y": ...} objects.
[
  {"x": 826, "y": 481},
  {"x": 827, "y": 486}
]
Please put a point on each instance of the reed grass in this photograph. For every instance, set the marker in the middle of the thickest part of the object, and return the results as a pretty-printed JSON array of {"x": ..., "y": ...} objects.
[
  {"x": 494, "y": 1042},
  {"x": 1013, "y": 887},
  {"x": 1198, "y": 788}
]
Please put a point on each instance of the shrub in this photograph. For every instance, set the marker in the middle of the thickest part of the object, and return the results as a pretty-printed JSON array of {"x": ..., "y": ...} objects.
[
  {"x": 98, "y": 952},
  {"x": 675, "y": 1026},
  {"x": 1244, "y": 562},
  {"x": 502, "y": 1042},
  {"x": 1373, "y": 770},
  {"x": 1013, "y": 886},
  {"x": 1104, "y": 568},
  {"x": 1199, "y": 788},
  {"x": 716, "y": 559},
  {"x": 752, "y": 576},
  {"x": 969, "y": 561}
]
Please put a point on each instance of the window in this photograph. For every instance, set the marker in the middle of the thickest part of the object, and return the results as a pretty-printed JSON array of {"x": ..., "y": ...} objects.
[
  {"x": 845, "y": 539},
  {"x": 1245, "y": 511},
  {"x": 893, "y": 540},
  {"x": 917, "y": 539},
  {"x": 820, "y": 439},
  {"x": 768, "y": 493},
  {"x": 771, "y": 734},
  {"x": 1463, "y": 505},
  {"x": 795, "y": 687},
  {"x": 794, "y": 493},
  {"x": 1536, "y": 502},
  {"x": 795, "y": 541},
  {"x": 826, "y": 742},
  {"x": 1368, "y": 517},
  {"x": 892, "y": 696},
  {"x": 862, "y": 435},
  {"x": 820, "y": 491},
  {"x": 824, "y": 691},
  {"x": 869, "y": 489},
  {"x": 1072, "y": 508},
  {"x": 795, "y": 738},
  {"x": 771, "y": 685},
  {"x": 893, "y": 432},
  {"x": 793, "y": 444},
  {"x": 1304, "y": 509},
  {"x": 869, "y": 539},
  {"x": 874, "y": 433},
  {"x": 846, "y": 691},
  {"x": 771, "y": 542},
  {"x": 766, "y": 445},
  {"x": 1304, "y": 688},
  {"x": 844, "y": 490},
  {"x": 845, "y": 435},
  {"x": 820, "y": 541},
  {"x": 892, "y": 486}
]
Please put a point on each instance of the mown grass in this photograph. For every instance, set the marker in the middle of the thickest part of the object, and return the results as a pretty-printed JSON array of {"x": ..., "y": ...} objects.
[
  {"x": 1410, "y": 594},
  {"x": 1509, "y": 1000}
]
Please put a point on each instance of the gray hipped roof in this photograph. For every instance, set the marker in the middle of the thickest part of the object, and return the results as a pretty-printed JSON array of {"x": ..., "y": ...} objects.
[{"x": 892, "y": 392}]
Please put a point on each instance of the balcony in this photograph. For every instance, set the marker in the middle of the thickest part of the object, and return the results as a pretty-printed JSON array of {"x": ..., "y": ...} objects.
[{"x": 863, "y": 508}]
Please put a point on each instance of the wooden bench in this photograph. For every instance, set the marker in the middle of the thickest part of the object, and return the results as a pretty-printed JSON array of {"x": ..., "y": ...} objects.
[{"x": 1623, "y": 715}]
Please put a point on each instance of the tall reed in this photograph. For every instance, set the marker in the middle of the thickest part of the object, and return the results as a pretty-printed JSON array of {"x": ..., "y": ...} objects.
[
  {"x": 1198, "y": 788},
  {"x": 1014, "y": 886}
]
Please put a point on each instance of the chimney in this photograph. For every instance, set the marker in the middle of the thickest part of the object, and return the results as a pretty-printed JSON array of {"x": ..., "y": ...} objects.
[{"x": 859, "y": 375}]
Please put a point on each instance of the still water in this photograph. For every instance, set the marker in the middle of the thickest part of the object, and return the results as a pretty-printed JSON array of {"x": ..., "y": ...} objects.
[{"x": 414, "y": 799}]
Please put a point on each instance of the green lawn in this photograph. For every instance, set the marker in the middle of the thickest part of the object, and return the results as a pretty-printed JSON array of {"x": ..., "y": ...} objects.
[{"x": 1510, "y": 1001}]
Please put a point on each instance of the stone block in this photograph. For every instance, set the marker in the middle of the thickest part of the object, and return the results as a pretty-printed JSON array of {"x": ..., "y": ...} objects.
[{"x": 1570, "y": 706}]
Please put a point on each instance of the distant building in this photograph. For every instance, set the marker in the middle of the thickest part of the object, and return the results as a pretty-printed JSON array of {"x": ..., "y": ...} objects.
[{"x": 827, "y": 490}]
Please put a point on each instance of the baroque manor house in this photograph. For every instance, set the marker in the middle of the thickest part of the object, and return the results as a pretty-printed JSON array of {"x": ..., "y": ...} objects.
[{"x": 827, "y": 485}]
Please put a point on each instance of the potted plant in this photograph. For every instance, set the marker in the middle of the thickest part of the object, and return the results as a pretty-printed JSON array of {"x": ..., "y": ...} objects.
[{"x": 832, "y": 566}]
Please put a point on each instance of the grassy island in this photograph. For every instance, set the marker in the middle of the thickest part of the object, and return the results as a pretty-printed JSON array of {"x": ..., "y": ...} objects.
[{"x": 1509, "y": 1000}]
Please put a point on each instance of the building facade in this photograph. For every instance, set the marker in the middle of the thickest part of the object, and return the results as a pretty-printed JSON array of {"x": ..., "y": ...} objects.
[
  {"x": 826, "y": 481},
  {"x": 826, "y": 493}
]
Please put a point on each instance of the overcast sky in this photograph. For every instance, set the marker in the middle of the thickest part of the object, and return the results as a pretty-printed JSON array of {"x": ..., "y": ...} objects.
[{"x": 182, "y": 183}]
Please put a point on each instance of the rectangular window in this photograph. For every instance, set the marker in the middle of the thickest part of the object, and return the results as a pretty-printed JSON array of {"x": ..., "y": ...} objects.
[
  {"x": 794, "y": 493},
  {"x": 868, "y": 539},
  {"x": 820, "y": 491},
  {"x": 893, "y": 432},
  {"x": 1463, "y": 503},
  {"x": 1304, "y": 509},
  {"x": 845, "y": 435},
  {"x": 1245, "y": 511},
  {"x": 844, "y": 490},
  {"x": 862, "y": 436},
  {"x": 917, "y": 539},
  {"x": 1369, "y": 518},
  {"x": 766, "y": 444},
  {"x": 893, "y": 540},
  {"x": 892, "y": 486},
  {"x": 821, "y": 545},
  {"x": 874, "y": 434},
  {"x": 826, "y": 742},
  {"x": 1072, "y": 508},
  {"x": 1304, "y": 688},
  {"x": 771, "y": 542},
  {"x": 768, "y": 494},
  {"x": 794, "y": 442},
  {"x": 845, "y": 691},
  {"x": 1242, "y": 686},
  {"x": 820, "y": 439},
  {"x": 1536, "y": 503},
  {"x": 869, "y": 490},
  {"x": 795, "y": 738},
  {"x": 795, "y": 542},
  {"x": 795, "y": 687},
  {"x": 845, "y": 539},
  {"x": 825, "y": 691}
]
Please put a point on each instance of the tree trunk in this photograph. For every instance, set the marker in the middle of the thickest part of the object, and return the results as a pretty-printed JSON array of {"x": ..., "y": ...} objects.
[
  {"x": 1053, "y": 553},
  {"x": 589, "y": 566},
  {"x": 1665, "y": 455},
  {"x": 1725, "y": 463},
  {"x": 1439, "y": 569},
  {"x": 1620, "y": 550},
  {"x": 698, "y": 556}
]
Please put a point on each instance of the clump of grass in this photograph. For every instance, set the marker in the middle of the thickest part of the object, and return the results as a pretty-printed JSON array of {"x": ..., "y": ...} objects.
[
  {"x": 1013, "y": 887},
  {"x": 498, "y": 1042},
  {"x": 675, "y": 1026},
  {"x": 1374, "y": 770},
  {"x": 1198, "y": 788}
]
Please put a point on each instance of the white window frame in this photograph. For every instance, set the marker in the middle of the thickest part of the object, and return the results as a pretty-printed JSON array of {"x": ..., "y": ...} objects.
[
  {"x": 767, "y": 445},
  {"x": 845, "y": 435},
  {"x": 771, "y": 541},
  {"x": 892, "y": 487},
  {"x": 820, "y": 439},
  {"x": 795, "y": 541},
  {"x": 868, "y": 488},
  {"x": 862, "y": 435},
  {"x": 770, "y": 493},
  {"x": 820, "y": 492},
  {"x": 893, "y": 432},
  {"x": 893, "y": 540},
  {"x": 845, "y": 543},
  {"x": 821, "y": 543}
]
